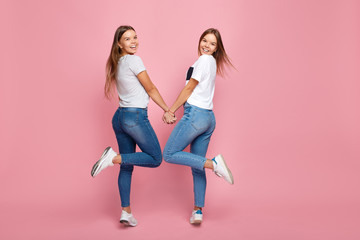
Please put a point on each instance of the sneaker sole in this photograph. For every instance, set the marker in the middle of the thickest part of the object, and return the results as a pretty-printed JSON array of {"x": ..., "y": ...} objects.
[
  {"x": 196, "y": 222},
  {"x": 126, "y": 223},
  {"x": 227, "y": 169},
  {"x": 98, "y": 164},
  {"x": 196, "y": 219}
]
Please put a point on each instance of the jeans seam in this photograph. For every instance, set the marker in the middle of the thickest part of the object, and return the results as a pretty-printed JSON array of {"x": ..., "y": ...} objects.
[
  {"x": 151, "y": 130},
  {"x": 172, "y": 142}
]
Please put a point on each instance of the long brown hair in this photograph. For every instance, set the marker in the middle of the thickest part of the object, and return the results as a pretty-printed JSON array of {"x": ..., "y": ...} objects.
[
  {"x": 112, "y": 62},
  {"x": 220, "y": 55}
]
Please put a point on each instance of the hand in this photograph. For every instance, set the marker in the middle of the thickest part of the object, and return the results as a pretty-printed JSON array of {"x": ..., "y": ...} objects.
[{"x": 168, "y": 118}]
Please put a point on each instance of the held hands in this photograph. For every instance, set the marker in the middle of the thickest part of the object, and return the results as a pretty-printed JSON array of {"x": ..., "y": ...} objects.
[{"x": 169, "y": 117}]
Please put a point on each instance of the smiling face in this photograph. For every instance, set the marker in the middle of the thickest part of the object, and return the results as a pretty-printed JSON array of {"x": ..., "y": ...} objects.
[
  {"x": 128, "y": 42},
  {"x": 208, "y": 44}
]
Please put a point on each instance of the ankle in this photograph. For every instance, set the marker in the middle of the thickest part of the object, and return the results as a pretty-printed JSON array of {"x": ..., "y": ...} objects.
[
  {"x": 209, "y": 164},
  {"x": 127, "y": 209},
  {"x": 117, "y": 159}
]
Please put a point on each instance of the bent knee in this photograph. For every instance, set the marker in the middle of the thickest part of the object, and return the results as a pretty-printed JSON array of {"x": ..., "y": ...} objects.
[
  {"x": 196, "y": 171},
  {"x": 157, "y": 160},
  {"x": 167, "y": 155}
]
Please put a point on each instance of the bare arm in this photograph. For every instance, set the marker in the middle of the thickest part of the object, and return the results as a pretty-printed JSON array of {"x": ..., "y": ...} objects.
[
  {"x": 181, "y": 99},
  {"x": 184, "y": 95},
  {"x": 151, "y": 89}
]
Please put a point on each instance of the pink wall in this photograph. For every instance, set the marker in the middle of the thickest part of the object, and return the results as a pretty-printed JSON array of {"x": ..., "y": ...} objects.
[{"x": 287, "y": 119}]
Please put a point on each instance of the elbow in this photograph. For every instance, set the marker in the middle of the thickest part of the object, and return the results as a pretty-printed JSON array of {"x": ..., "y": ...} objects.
[
  {"x": 187, "y": 92},
  {"x": 151, "y": 91},
  {"x": 188, "y": 89}
]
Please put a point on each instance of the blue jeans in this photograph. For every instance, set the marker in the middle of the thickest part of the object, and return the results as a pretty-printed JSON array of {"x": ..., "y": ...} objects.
[
  {"x": 194, "y": 128},
  {"x": 132, "y": 127}
]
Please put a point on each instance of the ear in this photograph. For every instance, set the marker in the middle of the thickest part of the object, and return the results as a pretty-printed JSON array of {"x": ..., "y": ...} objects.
[{"x": 119, "y": 45}]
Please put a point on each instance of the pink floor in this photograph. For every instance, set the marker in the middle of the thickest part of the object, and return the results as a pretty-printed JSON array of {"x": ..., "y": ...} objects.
[{"x": 245, "y": 210}]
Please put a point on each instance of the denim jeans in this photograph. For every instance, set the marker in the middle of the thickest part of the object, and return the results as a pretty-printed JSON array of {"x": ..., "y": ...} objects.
[
  {"x": 132, "y": 127},
  {"x": 194, "y": 128}
]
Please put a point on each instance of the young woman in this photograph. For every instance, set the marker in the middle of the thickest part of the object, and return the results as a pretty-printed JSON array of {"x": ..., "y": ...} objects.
[
  {"x": 130, "y": 121},
  {"x": 198, "y": 123}
]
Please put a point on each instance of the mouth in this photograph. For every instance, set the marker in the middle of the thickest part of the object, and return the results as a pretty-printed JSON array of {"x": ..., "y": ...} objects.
[
  {"x": 205, "y": 50},
  {"x": 133, "y": 47}
]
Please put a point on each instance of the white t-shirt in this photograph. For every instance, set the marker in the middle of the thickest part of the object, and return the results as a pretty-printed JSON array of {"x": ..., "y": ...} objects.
[
  {"x": 204, "y": 71},
  {"x": 130, "y": 90}
]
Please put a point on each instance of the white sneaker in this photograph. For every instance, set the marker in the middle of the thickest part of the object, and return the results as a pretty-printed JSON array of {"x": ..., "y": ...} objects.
[
  {"x": 128, "y": 219},
  {"x": 104, "y": 161},
  {"x": 221, "y": 169},
  {"x": 196, "y": 217}
]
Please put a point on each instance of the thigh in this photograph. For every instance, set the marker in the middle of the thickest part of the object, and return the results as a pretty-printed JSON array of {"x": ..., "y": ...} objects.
[
  {"x": 125, "y": 142},
  {"x": 186, "y": 131},
  {"x": 140, "y": 130},
  {"x": 200, "y": 144}
]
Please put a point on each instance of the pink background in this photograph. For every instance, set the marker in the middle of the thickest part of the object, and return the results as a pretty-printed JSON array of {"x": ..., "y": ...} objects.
[{"x": 287, "y": 119}]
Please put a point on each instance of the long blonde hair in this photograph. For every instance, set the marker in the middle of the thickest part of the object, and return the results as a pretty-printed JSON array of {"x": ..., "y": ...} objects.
[
  {"x": 220, "y": 55},
  {"x": 112, "y": 62}
]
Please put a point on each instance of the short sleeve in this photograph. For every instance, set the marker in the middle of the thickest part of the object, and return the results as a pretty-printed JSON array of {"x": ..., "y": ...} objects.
[
  {"x": 201, "y": 68},
  {"x": 136, "y": 65}
]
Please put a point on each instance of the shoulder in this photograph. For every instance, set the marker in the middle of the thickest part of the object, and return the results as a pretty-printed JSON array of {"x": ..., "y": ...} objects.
[
  {"x": 205, "y": 57},
  {"x": 132, "y": 59},
  {"x": 205, "y": 60},
  {"x": 135, "y": 63}
]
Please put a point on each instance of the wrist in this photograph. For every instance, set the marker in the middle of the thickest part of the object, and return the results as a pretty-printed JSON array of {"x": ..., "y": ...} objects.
[{"x": 170, "y": 112}]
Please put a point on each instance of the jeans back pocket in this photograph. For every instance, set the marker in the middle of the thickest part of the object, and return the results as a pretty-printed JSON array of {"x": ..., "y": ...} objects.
[
  {"x": 130, "y": 118},
  {"x": 200, "y": 120}
]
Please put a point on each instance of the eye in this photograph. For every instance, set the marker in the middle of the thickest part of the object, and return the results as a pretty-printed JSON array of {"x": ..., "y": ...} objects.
[{"x": 135, "y": 37}]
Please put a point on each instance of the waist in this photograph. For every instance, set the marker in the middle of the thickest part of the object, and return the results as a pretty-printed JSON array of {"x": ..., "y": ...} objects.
[
  {"x": 132, "y": 109},
  {"x": 188, "y": 105}
]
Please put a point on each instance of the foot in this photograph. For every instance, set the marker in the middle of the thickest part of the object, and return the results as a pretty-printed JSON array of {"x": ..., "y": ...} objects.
[
  {"x": 196, "y": 217},
  {"x": 221, "y": 169},
  {"x": 128, "y": 219},
  {"x": 104, "y": 161}
]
